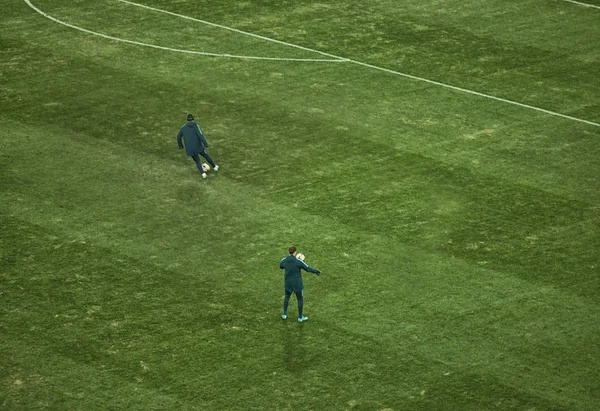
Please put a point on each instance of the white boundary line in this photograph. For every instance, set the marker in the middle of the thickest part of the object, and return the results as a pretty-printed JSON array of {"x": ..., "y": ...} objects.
[
  {"x": 334, "y": 58},
  {"x": 583, "y": 4},
  {"x": 331, "y": 60},
  {"x": 234, "y": 30},
  {"x": 476, "y": 93},
  {"x": 374, "y": 67}
]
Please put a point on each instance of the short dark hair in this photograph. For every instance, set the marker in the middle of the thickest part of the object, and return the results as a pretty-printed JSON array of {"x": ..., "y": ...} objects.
[
  {"x": 292, "y": 250},
  {"x": 190, "y": 117}
]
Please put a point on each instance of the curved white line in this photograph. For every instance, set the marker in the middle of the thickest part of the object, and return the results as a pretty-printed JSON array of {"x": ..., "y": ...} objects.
[
  {"x": 232, "y": 29},
  {"x": 437, "y": 83},
  {"x": 336, "y": 60}
]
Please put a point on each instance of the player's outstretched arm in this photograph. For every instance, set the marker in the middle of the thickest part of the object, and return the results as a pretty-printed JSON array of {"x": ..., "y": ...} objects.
[{"x": 309, "y": 268}]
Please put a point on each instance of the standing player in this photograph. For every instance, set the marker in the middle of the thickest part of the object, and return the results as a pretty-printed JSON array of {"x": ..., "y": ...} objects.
[
  {"x": 293, "y": 281},
  {"x": 195, "y": 143}
]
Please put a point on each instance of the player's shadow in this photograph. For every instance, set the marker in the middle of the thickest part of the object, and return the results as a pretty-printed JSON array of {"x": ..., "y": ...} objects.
[{"x": 294, "y": 348}]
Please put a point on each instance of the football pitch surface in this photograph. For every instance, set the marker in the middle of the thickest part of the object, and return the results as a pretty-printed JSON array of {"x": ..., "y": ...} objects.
[{"x": 437, "y": 161}]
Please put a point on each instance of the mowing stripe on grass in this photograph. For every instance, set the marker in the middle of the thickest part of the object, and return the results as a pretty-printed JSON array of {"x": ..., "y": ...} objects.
[
  {"x": 476, "y": 93},
  {"x": 245, "y": 33},
  {"x": 334, "y": 58},
  {"x": 372, "y": 66}
]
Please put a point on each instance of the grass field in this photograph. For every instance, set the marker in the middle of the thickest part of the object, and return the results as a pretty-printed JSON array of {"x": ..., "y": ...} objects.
[{"x": 437, "y": 161}]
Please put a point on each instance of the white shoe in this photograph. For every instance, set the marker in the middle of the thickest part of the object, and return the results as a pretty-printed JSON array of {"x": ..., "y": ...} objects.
[
  {"x": 302, "y": 319},
  {"x": 283, "y": 316},
  {"x": 204, "y": 175},
  {"x": 216, "y": 168}
]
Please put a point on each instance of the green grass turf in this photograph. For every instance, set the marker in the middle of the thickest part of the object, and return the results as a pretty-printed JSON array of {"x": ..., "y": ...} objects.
[{"x": 457, "y": 234}]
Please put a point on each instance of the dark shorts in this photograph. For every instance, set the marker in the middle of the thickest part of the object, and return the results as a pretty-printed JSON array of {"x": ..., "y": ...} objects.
[{"x": 299, "y": 293}]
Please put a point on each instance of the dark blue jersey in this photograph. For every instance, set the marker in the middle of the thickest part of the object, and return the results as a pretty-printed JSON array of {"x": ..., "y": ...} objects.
[
  {"x": 293, "y": 275},
  {"x": 195, "y": 143}
]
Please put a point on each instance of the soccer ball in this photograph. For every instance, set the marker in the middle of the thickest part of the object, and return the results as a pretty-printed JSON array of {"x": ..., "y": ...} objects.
[
  {"x": 300, "y": 256},
  {"x": 205, "y": 167}
]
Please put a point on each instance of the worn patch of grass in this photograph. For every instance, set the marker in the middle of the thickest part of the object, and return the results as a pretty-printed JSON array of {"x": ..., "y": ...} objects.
[{"x": 457, "y": 234}]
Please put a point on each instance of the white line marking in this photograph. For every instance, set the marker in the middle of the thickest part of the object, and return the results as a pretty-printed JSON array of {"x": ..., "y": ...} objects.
[
  {"x": 476, "y": 93},
  {"x": 232, "y": 29},
  {"x": 374, "y": 67},
  {"x": 334, "y": 58},
  {"x": 583, "y": 4}
]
